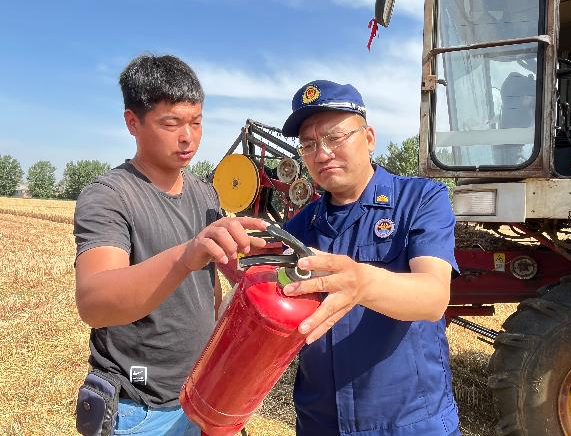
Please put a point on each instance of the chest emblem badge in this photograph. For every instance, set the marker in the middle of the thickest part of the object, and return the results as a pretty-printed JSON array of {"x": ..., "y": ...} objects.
[{"x": 384, "y": 228}]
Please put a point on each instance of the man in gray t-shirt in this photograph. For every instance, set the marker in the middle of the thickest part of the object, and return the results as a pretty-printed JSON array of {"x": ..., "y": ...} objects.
[{"x": 147, "y": 233}]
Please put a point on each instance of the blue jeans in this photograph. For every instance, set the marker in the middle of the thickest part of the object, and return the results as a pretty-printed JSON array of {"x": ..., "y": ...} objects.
[{"x": 141, "y": 420}]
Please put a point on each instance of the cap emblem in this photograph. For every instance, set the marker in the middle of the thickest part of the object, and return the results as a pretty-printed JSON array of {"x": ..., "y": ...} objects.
[{"x": 310, "y": 94}]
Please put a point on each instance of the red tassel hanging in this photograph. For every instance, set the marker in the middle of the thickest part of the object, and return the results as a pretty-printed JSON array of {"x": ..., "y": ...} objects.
[{"x": 374, "y": 26}]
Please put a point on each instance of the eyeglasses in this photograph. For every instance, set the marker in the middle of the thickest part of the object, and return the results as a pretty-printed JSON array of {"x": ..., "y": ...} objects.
[{"x": 329, "y": 142}]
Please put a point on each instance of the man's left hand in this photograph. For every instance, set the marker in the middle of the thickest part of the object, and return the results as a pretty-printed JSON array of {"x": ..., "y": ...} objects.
[{"x": 344, "y": 281}]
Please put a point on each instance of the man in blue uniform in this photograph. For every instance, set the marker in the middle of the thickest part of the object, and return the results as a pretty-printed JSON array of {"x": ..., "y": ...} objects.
[{"x": 376, "y": 359}]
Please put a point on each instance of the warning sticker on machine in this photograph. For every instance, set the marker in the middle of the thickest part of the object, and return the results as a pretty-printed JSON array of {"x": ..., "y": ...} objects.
[{"x": 499, "y": 261}]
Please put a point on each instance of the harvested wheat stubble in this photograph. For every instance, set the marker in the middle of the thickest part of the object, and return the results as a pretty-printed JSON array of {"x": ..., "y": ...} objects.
[
  {"x": 51, "y": 210},
  {"x": 472, "y": 236},
  {"x": 38, "y": 214},
  {"x": 44, "y": 344},
  {"x": 42, "y": 341}
]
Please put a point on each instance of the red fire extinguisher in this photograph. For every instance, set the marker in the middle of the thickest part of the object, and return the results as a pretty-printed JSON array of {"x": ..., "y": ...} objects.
[{"x": 252, "y": 344}]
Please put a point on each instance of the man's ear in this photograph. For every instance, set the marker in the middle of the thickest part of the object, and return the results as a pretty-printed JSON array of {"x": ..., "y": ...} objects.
[
  {"x": 370, "y": 135},
  {"x": 132, "y": 122}
]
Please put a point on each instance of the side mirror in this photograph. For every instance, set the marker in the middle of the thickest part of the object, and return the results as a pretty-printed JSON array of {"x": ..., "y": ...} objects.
[{"x": 383, "y": 11}]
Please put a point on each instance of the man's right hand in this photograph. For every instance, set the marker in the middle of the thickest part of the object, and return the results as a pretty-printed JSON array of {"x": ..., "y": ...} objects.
[{"x": 223, "y": 240}]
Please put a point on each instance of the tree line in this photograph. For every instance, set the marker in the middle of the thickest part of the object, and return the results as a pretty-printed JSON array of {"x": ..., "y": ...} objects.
[
  {"x": 41, "y": 177},
  {"x": 42, "y": 183},
  {"x": 398, "y": 159}
]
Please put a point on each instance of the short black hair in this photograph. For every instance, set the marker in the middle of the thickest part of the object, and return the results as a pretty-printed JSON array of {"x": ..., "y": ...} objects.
[{"x": 149, "y": 80}]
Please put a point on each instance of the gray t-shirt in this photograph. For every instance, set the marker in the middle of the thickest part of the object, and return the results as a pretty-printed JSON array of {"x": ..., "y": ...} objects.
[{"x": 123, "y": 209}]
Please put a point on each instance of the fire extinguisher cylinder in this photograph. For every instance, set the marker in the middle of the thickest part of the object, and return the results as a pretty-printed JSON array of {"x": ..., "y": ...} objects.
[{"x": 252, "y": 345}]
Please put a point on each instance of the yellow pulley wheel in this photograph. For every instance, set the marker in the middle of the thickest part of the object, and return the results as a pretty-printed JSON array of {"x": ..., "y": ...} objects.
[{"x": 237, "y": 182}]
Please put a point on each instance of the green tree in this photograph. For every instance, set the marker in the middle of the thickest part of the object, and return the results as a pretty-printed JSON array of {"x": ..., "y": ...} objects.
[
  {"x": 41, "y": 179},
  {"x": 403, "y": 159},
  {"x": 78, "y": 175},
  {"x": 201, "y": 169},
  {"x": 10, "y": 175}
]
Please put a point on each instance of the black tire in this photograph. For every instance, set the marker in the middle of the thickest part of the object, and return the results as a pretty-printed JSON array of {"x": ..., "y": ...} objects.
[{"x": 531, "y": 366}]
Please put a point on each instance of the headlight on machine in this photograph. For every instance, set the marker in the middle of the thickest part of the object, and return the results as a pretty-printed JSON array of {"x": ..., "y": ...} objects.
[{"x": 475, "y": 203}]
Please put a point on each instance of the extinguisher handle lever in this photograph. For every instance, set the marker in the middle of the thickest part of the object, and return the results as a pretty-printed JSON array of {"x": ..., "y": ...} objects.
[
  {"x": 287, "y": 260},
  {"x": 276, "y": 233}
]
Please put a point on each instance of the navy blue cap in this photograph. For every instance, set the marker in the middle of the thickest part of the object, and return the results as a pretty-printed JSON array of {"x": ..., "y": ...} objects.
[{"x": 321, "y": 96}]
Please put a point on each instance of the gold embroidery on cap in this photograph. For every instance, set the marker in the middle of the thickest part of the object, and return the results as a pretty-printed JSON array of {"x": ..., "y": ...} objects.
[{"x": 311, "y": 94}]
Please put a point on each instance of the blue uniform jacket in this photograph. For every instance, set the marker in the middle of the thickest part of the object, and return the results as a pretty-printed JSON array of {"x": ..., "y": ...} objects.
[{"x": 372, "y": 375}]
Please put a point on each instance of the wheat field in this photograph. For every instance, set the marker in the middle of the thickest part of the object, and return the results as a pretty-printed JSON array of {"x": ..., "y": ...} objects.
[{"x": 44, "y": 344}]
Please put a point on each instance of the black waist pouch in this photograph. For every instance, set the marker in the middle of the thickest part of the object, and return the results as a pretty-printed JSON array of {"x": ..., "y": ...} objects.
[{"x": 97, "y": 403}]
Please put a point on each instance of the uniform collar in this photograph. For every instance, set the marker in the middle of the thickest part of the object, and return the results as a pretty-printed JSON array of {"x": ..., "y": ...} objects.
[
  {"x": 319, "y": 217},
  {"x": 379, "y": 192}
]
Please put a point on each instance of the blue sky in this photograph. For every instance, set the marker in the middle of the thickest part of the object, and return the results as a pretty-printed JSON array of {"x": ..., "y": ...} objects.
[{"x": 60, "y": 101}]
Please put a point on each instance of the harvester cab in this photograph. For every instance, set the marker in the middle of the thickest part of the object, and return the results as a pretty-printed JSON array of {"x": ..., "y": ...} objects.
[
  {"x": 495, "y": 110},
  {"x": 495, "y": 115}
]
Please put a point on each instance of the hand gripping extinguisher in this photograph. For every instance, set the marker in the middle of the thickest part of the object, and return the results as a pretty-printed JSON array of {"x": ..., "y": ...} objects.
[{"x": 253, "y": 343}]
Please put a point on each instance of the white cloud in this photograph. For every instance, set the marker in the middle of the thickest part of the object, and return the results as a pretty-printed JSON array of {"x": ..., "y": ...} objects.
[
  {"x": 412, "y": 8},
  {"x": 222, "y": 81},
  {"x": 389, "y": 83},
  {"x": 408, "y": 50},
  {"x": 356, "y": 3}
]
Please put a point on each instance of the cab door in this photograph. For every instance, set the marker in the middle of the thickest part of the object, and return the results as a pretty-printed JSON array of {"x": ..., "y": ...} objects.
[{"x": 487, "y": 95}]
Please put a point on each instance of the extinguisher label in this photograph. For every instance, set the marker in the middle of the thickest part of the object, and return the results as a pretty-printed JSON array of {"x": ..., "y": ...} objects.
[
  {"x": 499, "y": 261},
  {"x": 138, "y": 375}
]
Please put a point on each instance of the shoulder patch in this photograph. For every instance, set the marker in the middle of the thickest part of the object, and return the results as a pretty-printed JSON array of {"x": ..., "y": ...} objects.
[{"x": 383, "y": 195}]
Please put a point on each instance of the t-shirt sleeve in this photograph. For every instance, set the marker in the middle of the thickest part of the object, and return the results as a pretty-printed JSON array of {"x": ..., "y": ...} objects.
[
  {"x": 101, "y": 219},
  {"x": 432, "y": 231}
]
